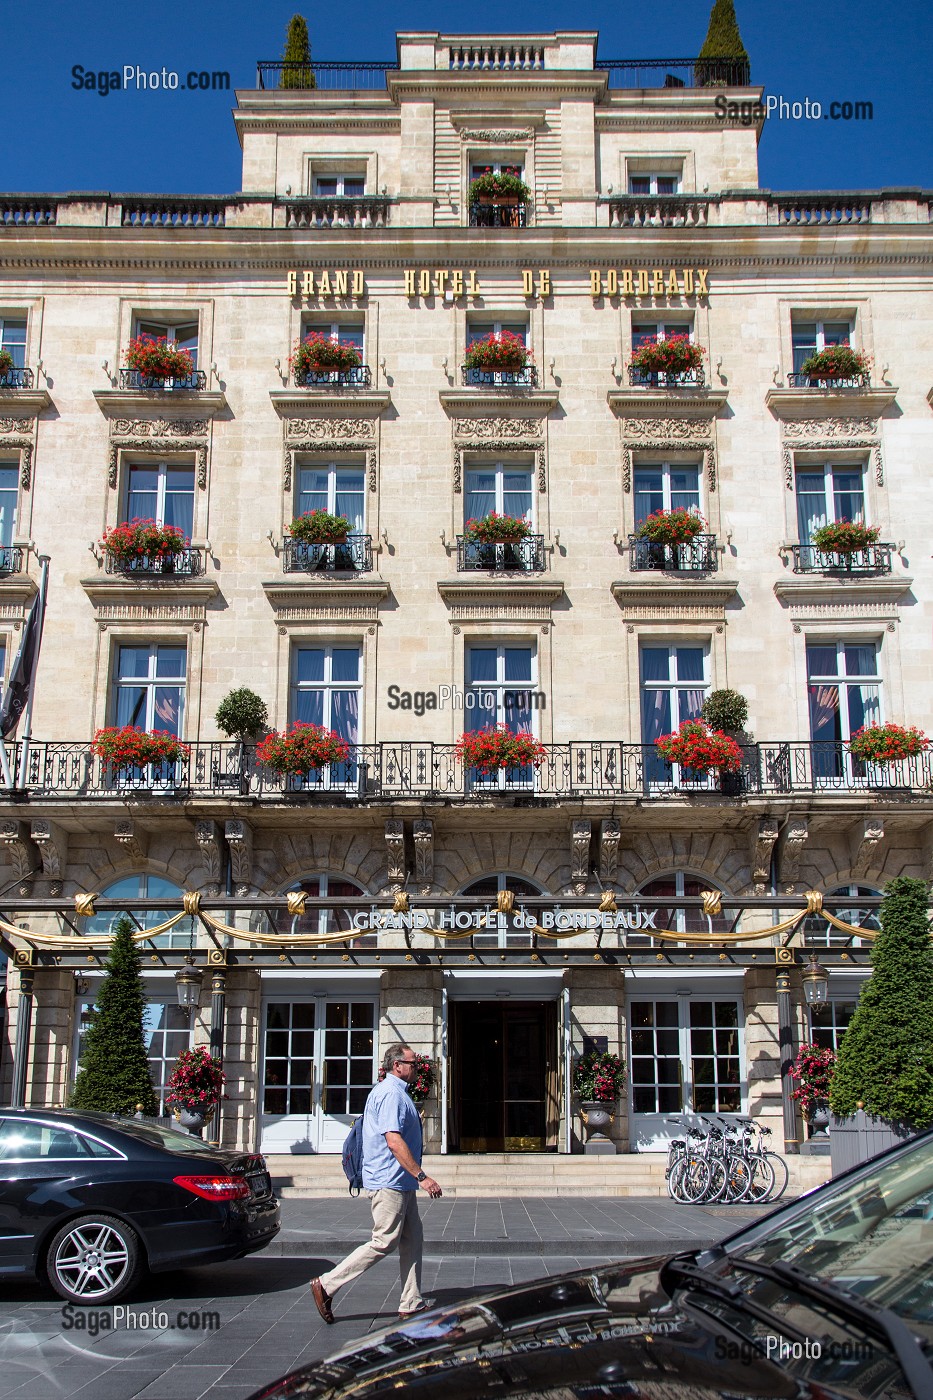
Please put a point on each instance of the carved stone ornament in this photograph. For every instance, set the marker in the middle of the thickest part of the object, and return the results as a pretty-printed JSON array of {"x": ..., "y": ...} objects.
[
  {"x": 486, "y": 429},
  {"x": 143, "y": 442},
  {"x": 22, "y": 445},
  {"x": 764, "y": 836},
  {"x": 132, "y": 839},
  {"x": 609, "y": 836},
  {"x": 207, "y": 835},
  {"x": 324, "y": 429},
  {"x": 15, "y": 837},
  {"x": 671, "y": 435},
  {"x": 581, "y": 833},
  {"x": 52, "y": 842},
  {"x": 867, "y": 837},
  {"x": 395, "y": 846},
  {"x": 239, "y": 836},
  {"x": 830, "y": 435},
  {"x": 423, "y": 832},
  {"x": 790, "y": 850},
  {"x": 497, "y": 136}
]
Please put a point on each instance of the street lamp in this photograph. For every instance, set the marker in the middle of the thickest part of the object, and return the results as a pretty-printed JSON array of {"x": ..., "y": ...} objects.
[
  {"x": 188, "y": 986},
  {"x": 815, "y": 985}
]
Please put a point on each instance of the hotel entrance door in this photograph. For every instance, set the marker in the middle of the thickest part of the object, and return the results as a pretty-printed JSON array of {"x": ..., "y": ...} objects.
[{"x": 504, "y": 1076}]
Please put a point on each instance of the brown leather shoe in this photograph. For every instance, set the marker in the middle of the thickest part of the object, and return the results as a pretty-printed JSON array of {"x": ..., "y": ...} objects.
[{"x": 322, "y": 1299}]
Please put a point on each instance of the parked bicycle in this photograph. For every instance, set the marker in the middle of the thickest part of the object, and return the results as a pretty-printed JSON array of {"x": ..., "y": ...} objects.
[{"x": 728, "y": 1163}]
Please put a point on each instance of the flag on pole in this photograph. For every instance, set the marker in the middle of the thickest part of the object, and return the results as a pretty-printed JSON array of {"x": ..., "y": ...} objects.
[{"x": 18, "y": 693}]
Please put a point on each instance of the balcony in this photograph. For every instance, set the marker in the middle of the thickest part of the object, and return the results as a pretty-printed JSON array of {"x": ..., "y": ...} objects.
[
  {"x": 874, "y": 559},
  {"x": 513, "y": 214},
  {"x": 189, "y": 563},
  {"x": 134, "y": 380},
  {"x": 589, "y": 769},
  {"x": 524, "y": 378},
  {"x": 660, "y": 379},
  {"x": 523, "y": 556},
  {"x": 16, "y": 379},
  {"x": 361, "y": 211},
  {"x": 359, "y": 377},
  {"x": 700, "y": 555},
  {"x": 659, "y": 211},
  {"x": 11, "y": 559},
  {"x": 355, "y": 556},
  {"x": 809, "y": 381}
]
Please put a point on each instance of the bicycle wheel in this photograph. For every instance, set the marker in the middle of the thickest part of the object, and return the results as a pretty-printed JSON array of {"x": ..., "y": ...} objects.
[
  {"x": 673, "y": 1174},
  {"x": 762, "y": 1182},
  {"x": 779, "y": 1167},
  {"x": 717, "y": 1179},
  {"x": 738, "y": 1179},
  {"x": 695, "y": 1181}
]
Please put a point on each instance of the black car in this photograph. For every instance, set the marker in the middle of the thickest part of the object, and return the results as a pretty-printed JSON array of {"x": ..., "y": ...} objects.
[
  {"x": 830, "y": 1298},
  {"x": 91, "y": 1202}
]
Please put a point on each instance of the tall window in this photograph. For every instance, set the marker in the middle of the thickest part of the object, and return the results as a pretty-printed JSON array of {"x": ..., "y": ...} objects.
[
  {"x": 347, "y": 332},
  {"x": 145, "y": 886},
  {"x": 826, "y": 494},
  {"x": 650, "y": 332},
  {"x": 653, "y": 182},
  {"x": 326, "y": 687},
  {"x": 500, "y": 681},
  {"x": 150, "y": 687},
  {"x": 163, "y": 492},
  {"x": 183, "y": 333},
  {"x": 501, "y": 486},
  {"x": 665, "y": 486},
  {"x": 344, "y": 185},
  {"x": 843, "y": 688},
  {"x": 340, "y": 490},
  {"x": 478, "y": 330},
  {"x": 497, "y": 167},
  {"x": 13, "y": 339},
  {"x": 9, "y": 494},
  {"x": 810, "y": 336},
  {"x": 673, "y": 688}
]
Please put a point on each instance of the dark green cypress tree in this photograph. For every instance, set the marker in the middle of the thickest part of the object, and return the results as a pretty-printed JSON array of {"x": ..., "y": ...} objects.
[
  {"x": 113, "y": 1076},
  {"x": 886, "y": 1057},
  {"x": 723, "y": 52},
  {"x": 297, "y": 52}
]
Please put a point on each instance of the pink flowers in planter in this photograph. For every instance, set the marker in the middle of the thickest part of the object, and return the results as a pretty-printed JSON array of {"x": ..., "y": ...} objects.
[
  {"x": 488, "y": 750},
  {"x": 302, "y": 750},
  {"x": 887, "y": 743},
  {"x": 700, "y": 748}
]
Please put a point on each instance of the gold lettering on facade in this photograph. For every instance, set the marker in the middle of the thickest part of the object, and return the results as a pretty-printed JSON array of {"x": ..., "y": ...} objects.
[
  {"x": 293, "y": 284},
  {"x": 323, "y": 286},
  {"x": 307, "y": 284},
  {"x": 528, "y": 282},
  {"x": 457, "y": 287},
  {"x": 672, "y": 288},
  {"x": 544, "y": 283},
  {"x": 424, "y": 282},
  {"x": 341, "y": 282},
  {"x": 658, "y": 283},
  {"x": 346, "y": 282},
  {"x": 442, "y": 282},
  {"x": 472, "y": 285}
]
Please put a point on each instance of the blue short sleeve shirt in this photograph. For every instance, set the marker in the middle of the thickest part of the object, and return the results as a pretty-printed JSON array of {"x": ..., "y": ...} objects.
[{"x": 389, "y": 1109}]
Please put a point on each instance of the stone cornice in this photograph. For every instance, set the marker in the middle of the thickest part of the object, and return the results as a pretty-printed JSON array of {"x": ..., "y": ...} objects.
[
  {"x": 511, "y": 120},
  {"x": 794, "y": 404},
  {"x": 366, "y": 403},
  {"x": 478, "y": 87},
  {"x": 117, "y": 588},
  {"x": 127, "y": 403},
  {"x": 682, "y": 403},
  {"x": 16, "y": 590},
  {"x": 511, "y": 588},
  {"x": 23, "y": 403},
  {"x": 338, "y": 598},
  {"x": 831, "y": 588},
  {"x": 674, "y": 591},
  {"x": 488, "y": 403}
]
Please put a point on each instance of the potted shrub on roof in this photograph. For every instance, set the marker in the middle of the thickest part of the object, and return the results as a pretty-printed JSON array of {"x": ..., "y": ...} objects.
[
  {"x": 135, "y": 541},
  {"x": 303, "y": 749},
  {"x": 318, "y": 354},
  {"x": 675, "y": 355},
  {"x": 503, "y": 351},
  {"x": 700, "y": 748},
  {"x": 502, "y": 188},
  {"x": 320, "y": 527},
  {"x": 837, "y": 362},
  {"x": 497, "y": 747},
  {"x": 157, "y": 357},
  {"x": 887, "y": 743},
  {"x": 845, "y": 536}
]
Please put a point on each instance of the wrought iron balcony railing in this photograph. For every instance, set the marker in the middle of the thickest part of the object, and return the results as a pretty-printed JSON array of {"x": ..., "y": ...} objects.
[
  {"x": 11, "y": 559},
  {"x": 811, "y": 381},
  {"x": 162, "y": 383},
  {"x": 16, "y": 379},
  {"x": 355, "y": 556},
  {"x": 522, "y": 556},
  {"x": 370, "y": 77},
  {"x": 665, "y": 379},
  {"x": 589, "y": 769},
  {"x": 700, "y": 555},
  {"x": 359, "y": 377},
  {"x": 524, "y": 378},
  {"x": 357, "y": 211},
  {"x": 499, "y": 215},
  {"x": 873, "y": 559},
  {"x": 188, "y": 563}
]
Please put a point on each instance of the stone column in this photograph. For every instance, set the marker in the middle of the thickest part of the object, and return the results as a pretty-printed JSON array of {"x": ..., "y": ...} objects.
[
  {"x": 787, "y": 1031},
  {"x": 23, "y": 1031},
  {"x": 243, "y": 990},
  {"x": 410, "y": 1010},
  {"x": 597, "y": 1008},
  {"x": 218, "y": 1019},
  {"x": 763, "y": 1049}
]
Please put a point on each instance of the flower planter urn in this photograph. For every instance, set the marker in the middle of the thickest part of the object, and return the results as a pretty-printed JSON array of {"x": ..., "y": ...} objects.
[
  {"x": 193, "y": 1119},
  {"x": 597, "y": 1118}
]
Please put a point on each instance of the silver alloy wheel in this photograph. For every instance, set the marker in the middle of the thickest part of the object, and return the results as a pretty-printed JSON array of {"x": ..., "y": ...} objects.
[{"x": 92, "y": 1260}]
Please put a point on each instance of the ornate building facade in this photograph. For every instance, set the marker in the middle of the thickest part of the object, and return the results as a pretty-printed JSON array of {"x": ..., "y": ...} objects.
[{"x": 400, "y": 892}]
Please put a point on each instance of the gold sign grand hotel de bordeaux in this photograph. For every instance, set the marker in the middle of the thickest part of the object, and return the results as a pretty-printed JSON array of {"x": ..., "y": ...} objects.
[{"x": 595, "y": 893}]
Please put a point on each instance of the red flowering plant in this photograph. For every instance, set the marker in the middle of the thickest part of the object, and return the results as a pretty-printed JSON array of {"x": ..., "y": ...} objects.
[
  {"x": 137, "y": 539},
  {"x": 302, "y": 749},
  {"x": 490, "y": 749},
  {"x": 493, "y": 528},
  {"x": 319, "y": 527},
  {"x": 887, "y": 743},
  {"x": 503, "y": 350},
  {"x": 196, "y": 1082},
  {"x": 6, "y": 363},
  {"x": 422, "y": 1081},
  {"x": 697, "y": 746},
  {"x": 845, "y": 536},
  {"x": 672, "y": 526},
  {"x": 508, "y": 184},
  {"x": 598, "y": 1077},
  {"x": 676, "y": 354},
  {"x": 317, "y": 353},
  {"x": 157, "y": 357},
  {"x": 129, "y": 747},
  {"x": 836, "y": 362},
  {"x": 812, "y": 1072}
]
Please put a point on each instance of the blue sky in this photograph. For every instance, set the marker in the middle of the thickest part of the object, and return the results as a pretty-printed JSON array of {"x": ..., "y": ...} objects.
[{"x": 57, "y": 138}]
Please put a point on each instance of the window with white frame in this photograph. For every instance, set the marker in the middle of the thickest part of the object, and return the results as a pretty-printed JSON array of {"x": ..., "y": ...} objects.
[
  {"x": 479, "y": 329},
  {"x": 333, "y": 487},
  {"x": 679, "y": 885},
  {"x": 343, "y": 184},
  {"x": 828, "y": 1028},
  {"x": 340, "y": 332},
  {"x": 326, "y": 688},
  {"x": 184, "y": 334},
  {"x": 500, "y": 681},
  {"x": 808, "y": 337},
  {"x": 504, "y": 934},
  {"x": 843, "y": 689},
  {"x": 497, "y": 167},
  {"x": 149, "y": 686},
  {"x": 665, "y": 486},
  {"x": 674, "y": 682},
  {"x": 13, "y": 339},
  {"x": 503, "y": 487},
  {"x": 161, "y": 491},
  {"x": 827, "y": 493},
  {"x": 9, "y": 497},
  {"x": 818, "y": 930},
  {"x": 145, "y": 886},
  {"x": 654, "y": 182},
  {"x": 651, "y": 332}
]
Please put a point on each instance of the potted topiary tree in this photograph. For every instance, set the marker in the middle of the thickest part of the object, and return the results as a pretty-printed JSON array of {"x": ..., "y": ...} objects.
[
  {"x": 296, "y": 60},
  {"x": 882, "y": 1088},
  {"x": 242, "y": 716},
  {"x": 726, "y": 710},
  {"x": 723, "y": 59}
]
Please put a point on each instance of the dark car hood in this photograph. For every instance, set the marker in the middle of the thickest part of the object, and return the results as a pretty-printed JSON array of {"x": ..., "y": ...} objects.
[{"x": 611, "y": 1331}]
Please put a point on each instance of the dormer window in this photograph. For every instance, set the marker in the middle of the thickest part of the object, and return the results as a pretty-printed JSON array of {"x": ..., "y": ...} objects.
[
  {"x": 654, "y": 183},
  {"x": 340, "y": 186}
]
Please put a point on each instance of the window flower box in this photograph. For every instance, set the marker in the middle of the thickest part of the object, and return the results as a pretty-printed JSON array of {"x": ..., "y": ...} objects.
[
  {"x": 127, "y": 747},
  {"x": 492, "y": 749},
  {"x": 138, "y": 540},
  {"x": 845, "y": 537},
  {"x": 302, "y": 749},
  {"x": 505, "y": 351},
  {"x": 157, "y": 357},
  {"x": 490, "y": 188},
  {"x": 887, "y": 743},
  {"x": 837, "y": 362},
  {"x": 676, "y": 355},
  {"x": 699, "y": 748},
  {"x": 497, "y": 529},
  {"x": 319, "y": 354},
  {"x": 320, "y": 527},
  {"x": 672, "y": 527}
]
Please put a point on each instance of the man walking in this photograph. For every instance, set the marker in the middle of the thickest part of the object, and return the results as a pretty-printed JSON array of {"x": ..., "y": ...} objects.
[{"x": 392, "y": 1146}]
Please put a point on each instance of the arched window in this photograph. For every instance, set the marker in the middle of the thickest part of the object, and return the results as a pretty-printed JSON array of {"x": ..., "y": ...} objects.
[
  {"x": 680, "y": 885},
  {"x": 323, "y": 920},
  {"x": 506, "y": 934},
  {"x": 822, "y": 934},
  {"x": 145, "y": 886}
]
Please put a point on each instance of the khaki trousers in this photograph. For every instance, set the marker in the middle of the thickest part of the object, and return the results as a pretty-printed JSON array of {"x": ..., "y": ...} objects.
[{"x": 396, "y": 1224}]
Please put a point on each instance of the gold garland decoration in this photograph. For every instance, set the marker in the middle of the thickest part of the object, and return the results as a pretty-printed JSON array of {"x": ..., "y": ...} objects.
[{"x": 84, "y": 908}]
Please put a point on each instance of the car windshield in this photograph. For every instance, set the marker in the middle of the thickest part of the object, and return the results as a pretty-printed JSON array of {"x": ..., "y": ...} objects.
[
  {"x": 168, "y": 1138},
  {"x": 873, "y": 1237}
]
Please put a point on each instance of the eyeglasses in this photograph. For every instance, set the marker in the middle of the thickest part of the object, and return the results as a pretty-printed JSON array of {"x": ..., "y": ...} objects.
[{"x": 404, "y": 1062}]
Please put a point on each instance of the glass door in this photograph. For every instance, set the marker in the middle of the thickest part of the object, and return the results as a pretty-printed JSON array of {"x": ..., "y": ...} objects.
[{"x": 686, "y": 1056}]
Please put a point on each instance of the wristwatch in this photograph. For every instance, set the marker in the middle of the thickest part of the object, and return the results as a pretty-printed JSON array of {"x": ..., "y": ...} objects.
[{"x": 422, "y": 1176}]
